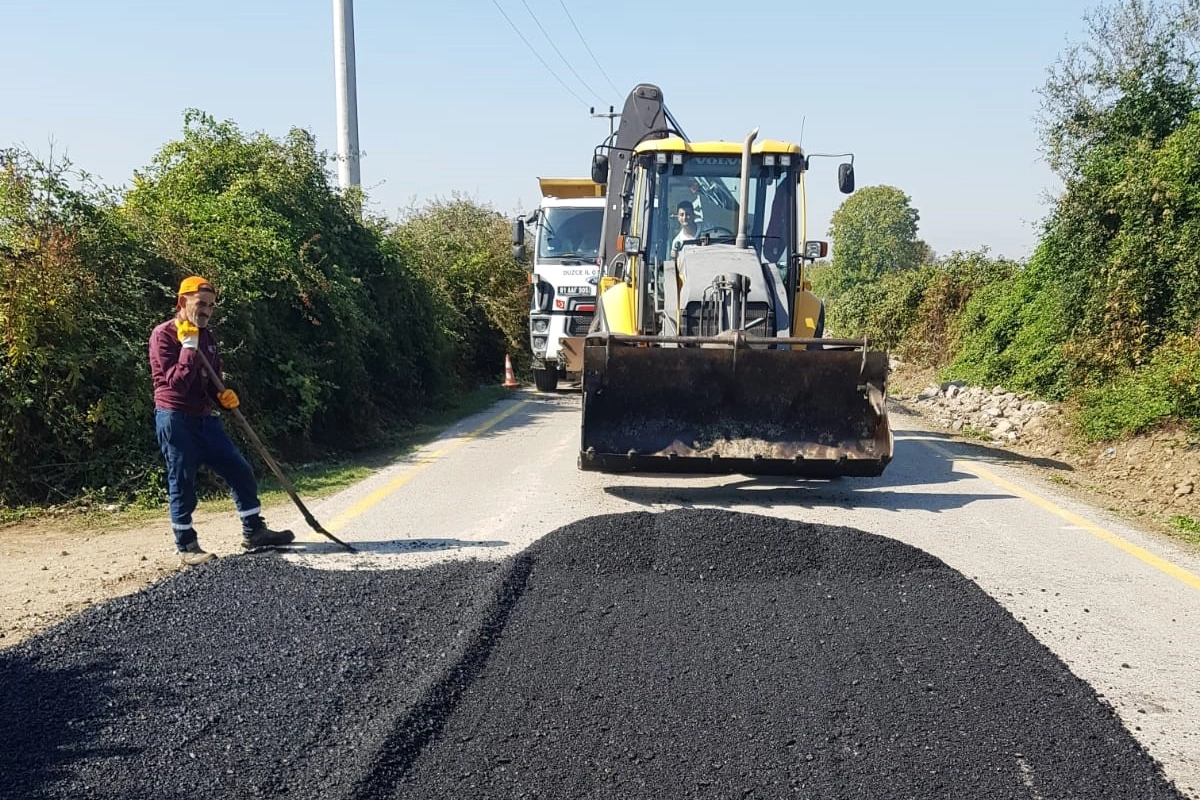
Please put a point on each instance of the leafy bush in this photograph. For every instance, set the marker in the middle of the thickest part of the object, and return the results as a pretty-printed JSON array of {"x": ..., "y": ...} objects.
[
  {"x": 320, "y": 323},
  {"x": 849, "y": 314},
  {"x": 462, "y": 250},
  {"x": 334, "y": 330},
  {"x": 887, "y": 310},
  {"x": 1166, "y": 389},
  {"x": 934, "y": 334},
  {"x": 1011, "y": 330},
  {"x": 74, "y": 315},
  {"x": 915, "y": 311}
]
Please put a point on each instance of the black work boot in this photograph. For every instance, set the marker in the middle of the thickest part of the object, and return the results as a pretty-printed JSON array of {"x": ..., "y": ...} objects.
[{"x": 262, "y": 536}]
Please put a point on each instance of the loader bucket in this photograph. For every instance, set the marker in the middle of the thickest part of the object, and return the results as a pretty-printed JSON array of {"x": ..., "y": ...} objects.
[{"x": 689, "y": 405}]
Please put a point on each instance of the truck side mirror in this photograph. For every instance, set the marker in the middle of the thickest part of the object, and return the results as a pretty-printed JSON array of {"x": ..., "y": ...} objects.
[
  {"x": 518, "y": 239},
  {"x": 846, "y": 178}
]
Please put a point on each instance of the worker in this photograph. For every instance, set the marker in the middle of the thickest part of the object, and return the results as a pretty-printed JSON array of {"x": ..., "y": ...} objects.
[
  {"x": 189, "y": 427},
  {"x": 685, "y": 215}
]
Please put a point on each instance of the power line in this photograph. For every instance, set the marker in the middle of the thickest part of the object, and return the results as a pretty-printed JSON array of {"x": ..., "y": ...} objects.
[
  {"x": 589, "y": 50},
  {"x": 535, "y": 53},
  {"x": 566, "y": 61}
]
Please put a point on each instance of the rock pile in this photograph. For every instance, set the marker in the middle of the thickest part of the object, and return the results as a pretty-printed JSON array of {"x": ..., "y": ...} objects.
[
  {"x": 1155, "y": 474},
  {"x": 997, "y": 414}
]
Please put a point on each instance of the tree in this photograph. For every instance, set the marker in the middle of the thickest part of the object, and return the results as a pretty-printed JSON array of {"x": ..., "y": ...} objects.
[
  {"x": 874, "y": 232},
  {"x": 1133, "y": 79}
]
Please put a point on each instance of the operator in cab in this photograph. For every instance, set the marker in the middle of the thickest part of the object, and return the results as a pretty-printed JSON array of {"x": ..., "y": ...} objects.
[{"x": 685, "y": 215}]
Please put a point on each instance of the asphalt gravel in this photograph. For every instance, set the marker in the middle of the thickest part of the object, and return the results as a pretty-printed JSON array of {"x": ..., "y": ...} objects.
[{"x": 682, "y": 654}]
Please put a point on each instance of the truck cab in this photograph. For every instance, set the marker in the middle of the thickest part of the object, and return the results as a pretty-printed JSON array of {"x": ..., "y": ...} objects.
[{"x": 564, "y": 272}]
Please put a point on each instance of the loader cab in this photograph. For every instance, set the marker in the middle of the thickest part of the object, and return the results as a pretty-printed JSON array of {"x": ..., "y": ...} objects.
[{"x": 707, "y": 176}]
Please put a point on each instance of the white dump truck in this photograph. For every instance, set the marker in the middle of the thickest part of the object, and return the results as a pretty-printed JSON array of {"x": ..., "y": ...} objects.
[{"x": 564, "y": 271}]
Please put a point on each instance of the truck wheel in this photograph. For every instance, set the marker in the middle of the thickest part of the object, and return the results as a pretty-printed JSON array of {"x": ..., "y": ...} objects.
[{"x": 546, "y": 380}]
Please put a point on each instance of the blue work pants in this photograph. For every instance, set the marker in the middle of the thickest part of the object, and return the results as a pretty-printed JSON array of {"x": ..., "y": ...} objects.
[{"x": 189, "y": 441}]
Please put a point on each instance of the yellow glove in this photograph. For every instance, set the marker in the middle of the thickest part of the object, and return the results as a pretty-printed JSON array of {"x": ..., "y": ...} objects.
[
  {"x": 228, "y": 400},
  {"x": 189, "y": 334}
]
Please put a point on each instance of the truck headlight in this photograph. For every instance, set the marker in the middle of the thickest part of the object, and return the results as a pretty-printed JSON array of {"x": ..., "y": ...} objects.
[
  {"x": 539, "y": 343},
  {"x": 540, "y": 325}
]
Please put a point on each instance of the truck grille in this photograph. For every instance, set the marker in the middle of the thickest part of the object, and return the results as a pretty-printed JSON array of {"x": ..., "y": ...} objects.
[{"x": 578, "y": 324}]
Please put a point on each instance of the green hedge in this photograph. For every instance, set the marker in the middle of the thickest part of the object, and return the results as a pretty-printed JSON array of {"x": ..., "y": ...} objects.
[{"x": 335, "y": 330}]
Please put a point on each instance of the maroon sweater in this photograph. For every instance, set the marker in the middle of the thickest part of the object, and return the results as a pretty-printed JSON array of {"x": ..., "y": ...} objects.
[{"x": 180, "y": 380}]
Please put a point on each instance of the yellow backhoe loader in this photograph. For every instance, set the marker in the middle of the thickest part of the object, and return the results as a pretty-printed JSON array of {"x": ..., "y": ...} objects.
[{"x": 707, "y": 350}]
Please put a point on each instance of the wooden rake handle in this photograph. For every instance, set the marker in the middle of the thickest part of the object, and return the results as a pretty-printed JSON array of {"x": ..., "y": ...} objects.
[{"x": 266, "y": 456}]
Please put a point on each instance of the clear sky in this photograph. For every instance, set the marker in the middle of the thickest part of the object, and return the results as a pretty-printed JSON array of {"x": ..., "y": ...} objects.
[{"x": 936, "y": 98}]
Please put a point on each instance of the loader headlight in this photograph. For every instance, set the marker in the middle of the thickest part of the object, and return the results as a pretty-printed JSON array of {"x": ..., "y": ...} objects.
[{"x": 540, "y": 325}]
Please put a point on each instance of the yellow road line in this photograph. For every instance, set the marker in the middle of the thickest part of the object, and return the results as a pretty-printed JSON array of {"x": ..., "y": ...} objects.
[
  {"x": 1161, "y": 564},
  {"x": 424, "y": 461}
]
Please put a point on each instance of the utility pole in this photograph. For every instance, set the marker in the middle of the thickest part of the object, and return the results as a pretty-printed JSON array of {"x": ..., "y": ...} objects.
[
  {"x": 611, "y": 115},
  {"x": 347, "y": 94}
]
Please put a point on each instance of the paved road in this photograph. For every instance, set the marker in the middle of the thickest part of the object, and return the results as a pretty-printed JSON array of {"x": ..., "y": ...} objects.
[
  {"x": 1120, "y": 607},
  {"x": 842, "y": 639}
]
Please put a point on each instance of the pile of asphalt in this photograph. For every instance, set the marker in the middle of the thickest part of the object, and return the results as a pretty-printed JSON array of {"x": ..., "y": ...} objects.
[{"x": 681, "y": 654}]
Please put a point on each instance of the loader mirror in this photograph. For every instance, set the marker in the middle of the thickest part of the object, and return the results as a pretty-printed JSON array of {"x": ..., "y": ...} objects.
[
  {"x": 600, "y": 169},
  {"x": 815, "y": 249},
  {"x": 846, "y": 178}
]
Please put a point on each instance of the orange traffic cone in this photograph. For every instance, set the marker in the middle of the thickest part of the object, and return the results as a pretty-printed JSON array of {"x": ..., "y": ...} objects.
[{"x": 510, "y": 380}]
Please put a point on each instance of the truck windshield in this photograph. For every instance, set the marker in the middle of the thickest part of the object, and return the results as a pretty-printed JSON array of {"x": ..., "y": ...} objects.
[{"x": 570, "y": 233}]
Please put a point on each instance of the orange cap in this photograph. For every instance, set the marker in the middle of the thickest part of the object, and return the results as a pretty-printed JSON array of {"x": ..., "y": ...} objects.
[{"x": 195, "y": 284}]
